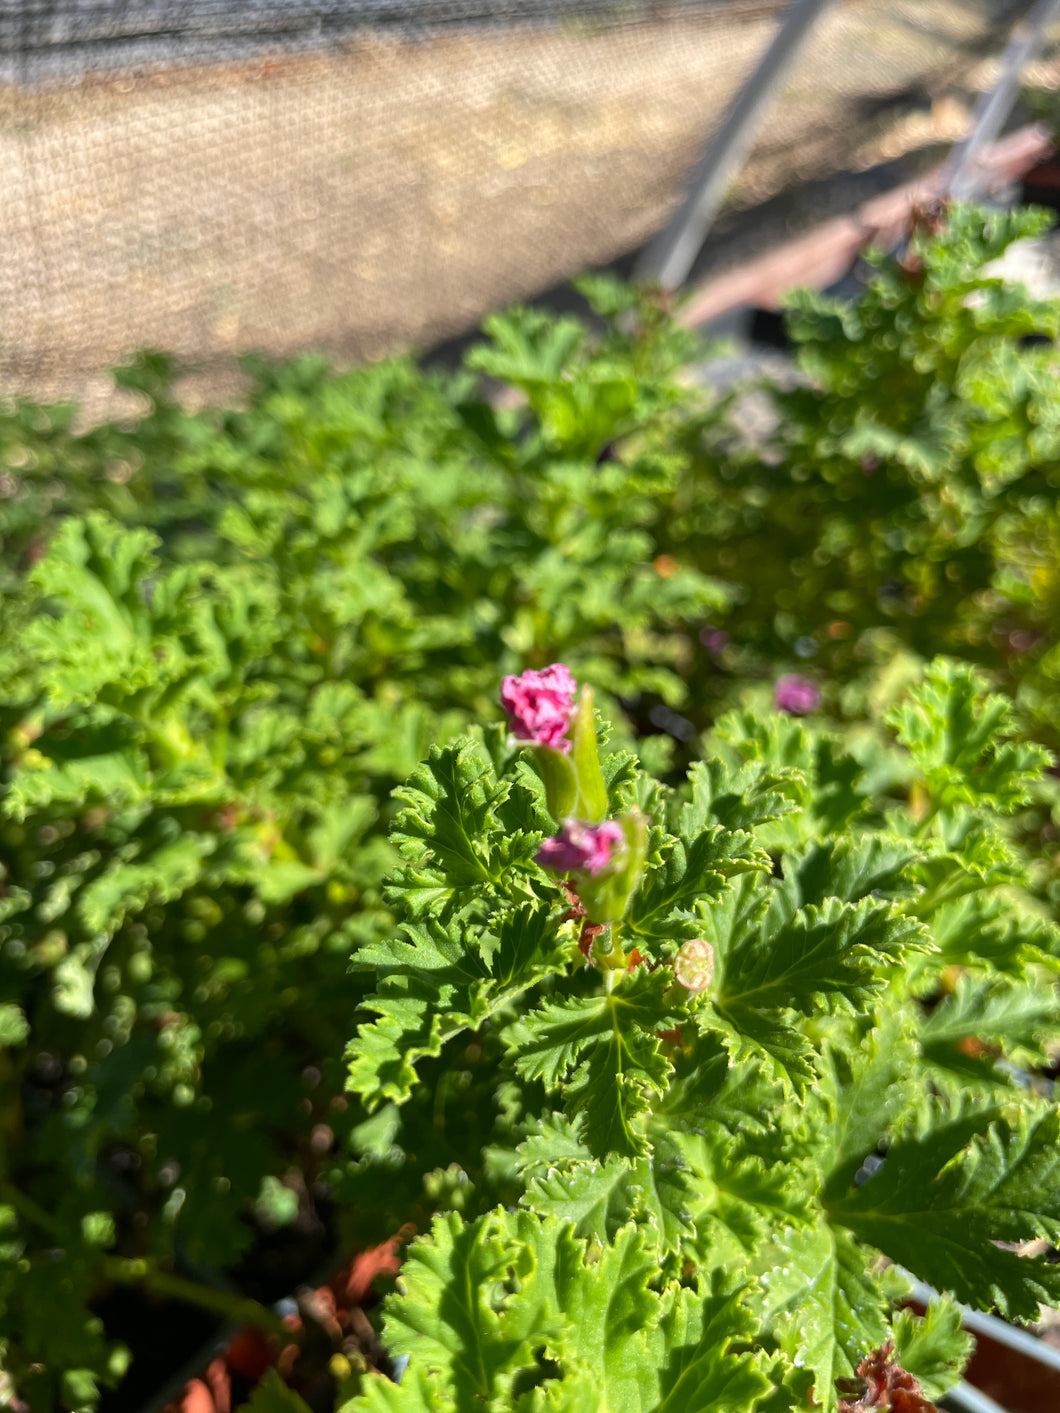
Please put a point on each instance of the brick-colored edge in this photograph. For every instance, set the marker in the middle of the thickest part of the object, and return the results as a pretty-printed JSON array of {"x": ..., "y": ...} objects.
[{"x": 824, "y": 254}]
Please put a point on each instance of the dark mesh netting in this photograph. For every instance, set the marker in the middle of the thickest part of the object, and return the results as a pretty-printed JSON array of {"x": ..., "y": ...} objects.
[{"x": 208, "y": 176}]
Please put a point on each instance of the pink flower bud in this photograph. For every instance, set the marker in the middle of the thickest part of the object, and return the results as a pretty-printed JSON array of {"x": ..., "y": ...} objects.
[
  {"x": 796, "y": 695},
  {"x": 581, "y": 848},
  {"x": 539, "y": 705}
]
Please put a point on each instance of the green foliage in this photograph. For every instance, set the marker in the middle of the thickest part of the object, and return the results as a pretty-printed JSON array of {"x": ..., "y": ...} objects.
[
  {"x": 943, "y": 1200},
  {"x": 957, "y": 738},
  {"x": 272, "y": 1395},
  {"x": 930, "y": 1348},
  {"x": 226, "y": 638},
  {"x": 236, "y": 829},
  {"x": 516, "y": 1313},
  {"x": 906, "y": 490},
  {"x": 813, "y": 1104}
]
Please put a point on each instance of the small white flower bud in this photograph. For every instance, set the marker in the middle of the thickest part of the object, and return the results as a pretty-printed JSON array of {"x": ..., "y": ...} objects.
[{"x": 694, "y": 965}]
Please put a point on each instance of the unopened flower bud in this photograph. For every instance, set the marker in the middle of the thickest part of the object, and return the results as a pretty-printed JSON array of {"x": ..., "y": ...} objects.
[
  {"x": 694, "y": 965},
  {"x": 539, "y": 706},
  {"x": 581, "y": 848},
  {"x": 796, "y": 695}
]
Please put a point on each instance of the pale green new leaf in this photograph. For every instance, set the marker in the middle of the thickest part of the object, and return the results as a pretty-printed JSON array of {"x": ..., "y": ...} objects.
[
  {"x": 824, "y": 1307},
  {"x": 641, "y": 1352},
  {"x": 14, "y": 1027},
  {"x": 958, "y": 735},
  {"x": 473, "y": 1306},
  {"x": 702, "y": 1373},
  {"x": 514, "y": 1301},
  {"x": 934, "y": 1348},
  {"x": 416, "y": 1393}
]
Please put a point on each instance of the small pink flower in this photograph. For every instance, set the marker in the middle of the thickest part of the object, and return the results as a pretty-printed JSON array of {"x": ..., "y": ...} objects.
[
  {"x": 796, "y": 695},
  {"x": 716, "y": 639},
  {"x": 539, "y": 705},
  {"x": 581, "y": 848}
]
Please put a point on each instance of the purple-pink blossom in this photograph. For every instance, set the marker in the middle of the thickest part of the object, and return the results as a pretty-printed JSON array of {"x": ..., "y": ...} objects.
[
  {"x": 539, "y": 705},
  {"x": 796, "y": 695},
  {"x": 581, "y": 848},
  {"x": 716, "y": 639}
]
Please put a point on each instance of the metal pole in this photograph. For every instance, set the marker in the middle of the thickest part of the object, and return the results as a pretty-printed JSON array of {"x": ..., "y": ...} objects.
[
  {"x": 669, "y": 257},
  {"x": 966, "y": 1399},
  {"x": 960, "y": 178}
]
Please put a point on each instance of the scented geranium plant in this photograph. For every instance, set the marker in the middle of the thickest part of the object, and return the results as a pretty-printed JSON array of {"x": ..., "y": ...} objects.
[
  {"x": 225, "y": 637},
  {"x": 906, "y": 481},
  {"x": 754, "y": 1047}
]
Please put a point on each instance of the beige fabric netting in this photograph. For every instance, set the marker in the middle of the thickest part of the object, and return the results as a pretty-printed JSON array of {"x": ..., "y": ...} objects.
[{"x": 386, "y": 188}]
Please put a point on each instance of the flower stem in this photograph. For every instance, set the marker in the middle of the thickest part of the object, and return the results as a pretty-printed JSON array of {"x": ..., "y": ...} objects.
[
  {"x": 32, "y": 1211},
  {"x": 239, "y": 1309},
  {"x": 125, "y": 1270}
]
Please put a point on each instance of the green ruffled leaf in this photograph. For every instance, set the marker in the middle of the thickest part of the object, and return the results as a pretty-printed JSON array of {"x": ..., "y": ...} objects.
[
  {"x": 602, "y": 1051},
  {"x": 688, "y": 875},
  {"x": 940, "y": 1203},
  {"x": 864, "y": 1090},
  {"x": 984, "y": 1020},
  {"x": 514, "y": 1313},
  {"x": 934, "y": 1348},
  {"x": 958, "y": 735},
  {"x": 449, "y": 829},
  {"x": 835, "y": 951},
  {"x": 739, "y": 798},
  {"x": 833, "y": 793},
  {"x": 272, "y": 1395},
  {"x": 435, "y": 982},
  {"x": 826, "y": 1310}
]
